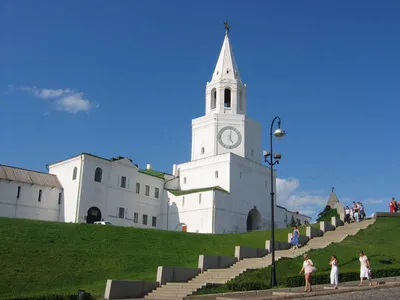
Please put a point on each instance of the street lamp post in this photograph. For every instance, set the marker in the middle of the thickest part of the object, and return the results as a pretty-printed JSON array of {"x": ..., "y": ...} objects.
[{"x": 278, "y": 133}]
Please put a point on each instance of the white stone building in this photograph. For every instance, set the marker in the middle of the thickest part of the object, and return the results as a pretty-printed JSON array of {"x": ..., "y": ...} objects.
[
  {"x": 29, "y": 194},
  {"x": 223, "y": 189}
]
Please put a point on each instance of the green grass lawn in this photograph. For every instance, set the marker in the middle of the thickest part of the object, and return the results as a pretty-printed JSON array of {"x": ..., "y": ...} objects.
[
  {"x": 381, "y": 248},
  {"x": 38, "y": 257}
]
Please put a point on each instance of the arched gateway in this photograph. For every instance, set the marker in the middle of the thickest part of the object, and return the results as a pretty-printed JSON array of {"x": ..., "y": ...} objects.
[
  {"x": 93, "y": 215},
  {"x": 254, "y": 220}
]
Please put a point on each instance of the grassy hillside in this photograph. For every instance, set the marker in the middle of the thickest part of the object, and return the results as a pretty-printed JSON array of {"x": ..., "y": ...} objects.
[
  {"x": 41, "y": 257},
  {"x": 375, "y": 241}
]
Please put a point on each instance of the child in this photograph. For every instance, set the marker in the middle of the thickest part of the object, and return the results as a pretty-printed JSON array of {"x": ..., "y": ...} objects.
[{"x": 334, "y": 272}]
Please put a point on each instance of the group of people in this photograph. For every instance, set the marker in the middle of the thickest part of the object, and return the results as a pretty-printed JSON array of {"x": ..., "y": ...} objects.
[
  {"x": 394, "y": 206},
  {"x": 355, "y": 213},
  {"x": 308, "y": 268}
]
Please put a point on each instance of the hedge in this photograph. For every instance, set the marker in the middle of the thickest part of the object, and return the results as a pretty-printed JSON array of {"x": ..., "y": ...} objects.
[
  {"x": 87, "y": 296},
  {"x": 239, "y": 284}
]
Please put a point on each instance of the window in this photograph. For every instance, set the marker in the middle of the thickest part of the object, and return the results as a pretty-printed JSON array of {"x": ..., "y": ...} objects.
[
  {"x": 241, "y": 100},
  {"x": 59, "y": 198},
  {"x": 121, "y": 212},
  {"x": 227, "y": 98},
  {"x": 98, "y": 174},
  {"x": 213, "y": 98},
  {"x": 147, "y": 191},
  {"x": 154, "y": 221},
  {"x": 18, "y": 191},
  {"x": 144, "y": 219},
  {"x": 123, "y": 181},
  {"x": 216, "y": 174},
  {"x": 199, "y": 198},
  {"x": 266, "y": 183},
  {"x": 184, "y": 180},
  {"x": 136, "y": 218},
  {"x": 183, "y": 201},
  {"x": 240, "y": 175},
  {"x": 40, "y": 196},
  {"x": 74, "y": 173},
  {"x": 137, "y": 188},
  {"x": 252, "y": 152},
  {"x": 202, "y": 150},
  {"x": 156, "y": 192}
]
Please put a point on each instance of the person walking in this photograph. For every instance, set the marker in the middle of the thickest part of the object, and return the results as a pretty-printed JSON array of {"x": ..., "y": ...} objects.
[
  {"x": 365, "y": 268},
  {"x": 308, "y": 268},
  {"x": 347, "y": 215},
  {"x": 295, "y": 237},
  {"x": 334, "y": 271},
  {"x": 393, "y": 205}
]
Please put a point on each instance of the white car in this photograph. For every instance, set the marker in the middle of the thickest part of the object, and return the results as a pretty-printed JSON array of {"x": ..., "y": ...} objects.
[{"x": 102, "y": 223}]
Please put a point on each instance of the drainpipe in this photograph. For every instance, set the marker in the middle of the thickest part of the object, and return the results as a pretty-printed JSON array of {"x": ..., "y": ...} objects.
[
  {"x": 164, "y": 189},
  {"x": 78, "y": 196}
]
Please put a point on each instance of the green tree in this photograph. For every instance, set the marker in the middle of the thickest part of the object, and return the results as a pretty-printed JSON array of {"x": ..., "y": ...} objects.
[{"x": 292, "y": 221}]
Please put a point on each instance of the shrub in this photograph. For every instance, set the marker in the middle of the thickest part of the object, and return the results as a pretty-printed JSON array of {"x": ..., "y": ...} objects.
[
  {"x": 253, "y": 283},
  {"x": 87, "y": 296}
]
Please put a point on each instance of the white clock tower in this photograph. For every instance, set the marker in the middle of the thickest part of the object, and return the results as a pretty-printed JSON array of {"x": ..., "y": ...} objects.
[{"x": 225, "y": 126}]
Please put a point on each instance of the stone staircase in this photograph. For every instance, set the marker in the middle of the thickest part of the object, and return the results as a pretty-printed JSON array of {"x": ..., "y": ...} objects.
[{"x": 213, "y": 277}]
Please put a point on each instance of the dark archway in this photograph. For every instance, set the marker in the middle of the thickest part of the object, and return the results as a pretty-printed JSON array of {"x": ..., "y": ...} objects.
[
  {"x": 254, "y": 220},
  {"x": 93, "y": 215}
]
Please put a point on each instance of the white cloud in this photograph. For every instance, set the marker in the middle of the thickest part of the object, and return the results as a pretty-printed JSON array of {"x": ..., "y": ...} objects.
[
  {"x": 291, "y": 197},
  {"x": 67, "y": 100},
  {"x": 373, "y": 201}
]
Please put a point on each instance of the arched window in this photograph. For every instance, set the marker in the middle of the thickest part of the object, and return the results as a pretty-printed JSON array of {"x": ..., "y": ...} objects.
[
  {"x": 184, "y": 180},
  {"x": 216, "y": 174},
  {"x": 227, "y": 98},
  {"x": 183, "y": 201},
  {"x": 40, "y": 196},
  {"x": 98, "y": 174},
  {"x": 241, "y": 100},
  {"x": 199, "y": 198},
  {"x": 74, "y": 172},
  {"x": 213, "y": 98},
  {"x": 202, "y": 150}
]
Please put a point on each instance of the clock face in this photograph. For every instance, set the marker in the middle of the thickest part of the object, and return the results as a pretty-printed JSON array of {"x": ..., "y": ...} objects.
[{"x": 229, "y": 137}]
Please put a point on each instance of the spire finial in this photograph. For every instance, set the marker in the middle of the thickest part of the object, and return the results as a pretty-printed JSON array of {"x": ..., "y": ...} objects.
[{"x": 227, "y": 27}]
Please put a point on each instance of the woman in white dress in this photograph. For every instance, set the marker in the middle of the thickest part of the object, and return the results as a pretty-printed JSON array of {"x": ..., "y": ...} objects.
[
  {"x": 308, "y": 268},
  {"x": 365, "y": 268},
  {"x": 334, "y": 271}
]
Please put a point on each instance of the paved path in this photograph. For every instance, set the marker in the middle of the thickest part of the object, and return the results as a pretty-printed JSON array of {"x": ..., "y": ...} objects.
[{"x": 377, "y": 294}]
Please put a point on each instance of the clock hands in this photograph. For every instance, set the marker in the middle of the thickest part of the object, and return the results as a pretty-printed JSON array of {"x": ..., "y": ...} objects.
[{"x": 230, "y": 136}]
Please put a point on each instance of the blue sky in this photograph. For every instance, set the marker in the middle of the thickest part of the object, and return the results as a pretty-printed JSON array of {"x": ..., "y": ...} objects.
[{"x": 127, "y": 77}]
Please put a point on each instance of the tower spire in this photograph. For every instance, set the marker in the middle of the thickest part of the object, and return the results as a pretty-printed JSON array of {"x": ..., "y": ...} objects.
[{"x": 226, "y": 68}]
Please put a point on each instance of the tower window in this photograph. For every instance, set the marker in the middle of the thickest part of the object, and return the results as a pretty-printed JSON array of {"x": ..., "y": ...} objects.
[
  {"x": 74, "y": 172},
  {"x": 40, "y": 196},
  {"x": 227, "y": 98},
  {"x": 216, "y": 174},
  {"x": 213, "y": 98},
  {"x": 98, "y": 174},
  {"x": 241, "y": 100},
  {"x": 59, "y": 198},
  {"x": 199, "y": 198},
  {"x": 202, "y": 150},
  {"x": 184, "y": 180}
]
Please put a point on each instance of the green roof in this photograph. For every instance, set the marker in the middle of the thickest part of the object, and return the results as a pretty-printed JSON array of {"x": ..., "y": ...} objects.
[
  {"x": 153, "y": 173},
  {"x": 180, "y": 192}
]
